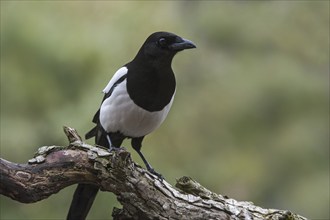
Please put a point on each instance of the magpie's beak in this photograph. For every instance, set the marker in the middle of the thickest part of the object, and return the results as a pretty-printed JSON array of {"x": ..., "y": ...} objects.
[{"x": 182, "y": 45}]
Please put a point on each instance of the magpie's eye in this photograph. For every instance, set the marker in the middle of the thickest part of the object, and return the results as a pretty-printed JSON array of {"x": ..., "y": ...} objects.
[{"x": 162, "y": 42}]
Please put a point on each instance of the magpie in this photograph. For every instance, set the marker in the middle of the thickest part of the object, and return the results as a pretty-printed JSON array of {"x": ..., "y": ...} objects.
[{"x": 136, "y": 101}]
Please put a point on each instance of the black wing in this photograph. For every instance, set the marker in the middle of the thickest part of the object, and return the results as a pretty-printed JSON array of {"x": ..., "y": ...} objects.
[{"x": 96, "y": 118}]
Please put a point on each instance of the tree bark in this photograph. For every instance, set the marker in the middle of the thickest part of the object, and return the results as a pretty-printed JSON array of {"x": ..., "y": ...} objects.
[{"x": 142, "y": 194}]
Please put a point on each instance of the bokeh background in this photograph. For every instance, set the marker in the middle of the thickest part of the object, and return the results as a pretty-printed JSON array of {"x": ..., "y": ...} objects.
[{"x": 251, "y": 114}]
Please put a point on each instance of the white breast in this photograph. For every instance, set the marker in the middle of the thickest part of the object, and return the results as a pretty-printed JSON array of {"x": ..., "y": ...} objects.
[{"x": 120, "y": 113}]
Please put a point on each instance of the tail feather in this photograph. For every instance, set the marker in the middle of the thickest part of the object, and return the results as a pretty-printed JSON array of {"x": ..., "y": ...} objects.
[
  {"x": 91, "y": 133},
  {"x": 85, "y": 194},
  {"x": 83, "y": 199}
]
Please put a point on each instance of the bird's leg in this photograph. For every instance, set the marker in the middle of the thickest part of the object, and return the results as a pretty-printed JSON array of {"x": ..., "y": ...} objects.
[
  {"x": 111, "y": 146},
  {"x": 148, "y": 166},
  {"x": 136, "y": 144}
]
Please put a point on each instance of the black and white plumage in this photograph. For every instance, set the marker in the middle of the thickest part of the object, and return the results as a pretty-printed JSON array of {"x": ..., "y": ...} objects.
[
  {"x": 137, "y": 100},
  {"x": 125, "y": 113}
]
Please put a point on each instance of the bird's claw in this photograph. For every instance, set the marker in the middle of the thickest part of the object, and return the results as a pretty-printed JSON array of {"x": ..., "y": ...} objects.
[
  {"x": 160, "y": 176},
  {"x": 116, "y": 149}
]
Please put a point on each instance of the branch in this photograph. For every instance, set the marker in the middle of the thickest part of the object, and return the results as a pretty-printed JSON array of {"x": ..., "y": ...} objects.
[{"x": 142, "y": 194}]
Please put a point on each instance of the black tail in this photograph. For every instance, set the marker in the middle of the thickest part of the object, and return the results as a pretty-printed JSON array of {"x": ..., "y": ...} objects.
[
  {"x": 85, "y": 194},
  {"x": 82, "y": 201}
]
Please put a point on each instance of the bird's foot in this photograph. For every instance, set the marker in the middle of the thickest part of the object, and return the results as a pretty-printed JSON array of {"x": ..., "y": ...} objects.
[
  {"x": 160, "y": 176},
  {"x": 116, "y": 149}
]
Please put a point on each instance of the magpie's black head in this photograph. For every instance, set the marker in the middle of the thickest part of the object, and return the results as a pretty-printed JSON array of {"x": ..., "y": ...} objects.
[{"x": 164, "y": 45}]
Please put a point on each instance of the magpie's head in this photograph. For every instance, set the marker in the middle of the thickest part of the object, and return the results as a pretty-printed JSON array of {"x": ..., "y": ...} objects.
[{"x": 164, "y": 45}]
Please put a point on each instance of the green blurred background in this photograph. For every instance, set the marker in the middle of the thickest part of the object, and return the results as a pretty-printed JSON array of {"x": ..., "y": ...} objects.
[{"x": 251, "y": 114}]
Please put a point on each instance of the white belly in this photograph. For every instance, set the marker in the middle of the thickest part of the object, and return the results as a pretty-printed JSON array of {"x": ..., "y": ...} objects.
[{"x": 120, "y": 113}]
